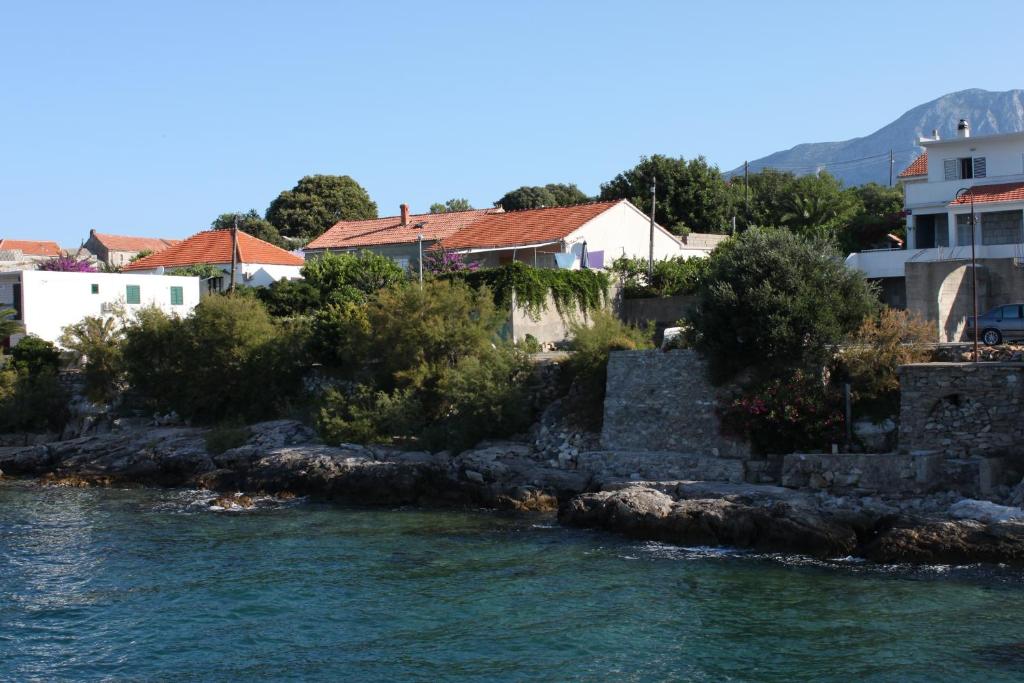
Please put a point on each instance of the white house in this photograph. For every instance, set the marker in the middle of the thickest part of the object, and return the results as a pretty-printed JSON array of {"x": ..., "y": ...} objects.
[
  {"x": 588, "y": 235},
  {"x": 45, "y": 302},
  {"x": 942, "y": 186},
  {"x": 257, "y": 263}
]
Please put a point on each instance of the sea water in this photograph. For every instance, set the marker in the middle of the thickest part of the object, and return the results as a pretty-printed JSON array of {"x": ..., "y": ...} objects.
[{"x": 151, "y": 585}]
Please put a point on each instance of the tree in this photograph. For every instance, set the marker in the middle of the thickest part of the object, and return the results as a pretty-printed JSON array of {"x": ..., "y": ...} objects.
[
  {"x": 526, "y": 197},
  {"x": 253, "y": 223},
  {"x": 96, "y": 342},
  {"x": 351, "y": 277},
  {"x": 772, "y": 300},
  {"x": 451, "y": 205},
  {"x": 765, "y": 195},
  {"x": 567, "y": 194},
  {"x": 880, "y": 214},
  {"x": 691, "y": 195},
  {"x": 9, "y": 325},
  {"x": 316, "y": 203},
  {"x": 818, "y": 206}
]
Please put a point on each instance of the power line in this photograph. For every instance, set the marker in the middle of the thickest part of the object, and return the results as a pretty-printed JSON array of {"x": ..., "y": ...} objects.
[{"x": 812, "y": 166}]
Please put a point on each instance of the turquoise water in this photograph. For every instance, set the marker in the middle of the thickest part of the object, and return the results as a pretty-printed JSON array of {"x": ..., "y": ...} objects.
[{"x": 152, "y": 585}]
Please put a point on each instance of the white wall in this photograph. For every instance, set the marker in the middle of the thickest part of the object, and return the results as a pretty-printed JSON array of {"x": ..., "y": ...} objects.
[
  {"x": 1004, "y": 161},
  {"x": 51, "y": 301},
  {"x": 623, "y": 231},
  {"x": 253, "y": 274}
]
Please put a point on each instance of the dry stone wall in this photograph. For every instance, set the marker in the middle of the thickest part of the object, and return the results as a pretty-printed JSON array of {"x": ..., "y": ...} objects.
[
  {"x": 662, "y": 401},
  {"x": 962, "y": 409}
]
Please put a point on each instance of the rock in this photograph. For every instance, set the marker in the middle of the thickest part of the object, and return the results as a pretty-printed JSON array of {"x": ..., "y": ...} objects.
[
  {"x": 875, "y": 437},
  {"x": 474, "y": 476},
  {"x": 946, "y": 542},
  {"x": 817, "y": 481},
  {"x": 236, "y": 502},
  {"x": 985, "y": 511}
]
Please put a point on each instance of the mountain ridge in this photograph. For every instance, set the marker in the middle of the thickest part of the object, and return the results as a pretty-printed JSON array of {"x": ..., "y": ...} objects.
[{"x": 866, "y": 159}]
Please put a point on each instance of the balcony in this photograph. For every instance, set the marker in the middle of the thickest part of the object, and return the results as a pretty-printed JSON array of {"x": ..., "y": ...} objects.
[{"x": 879, "y": 263}]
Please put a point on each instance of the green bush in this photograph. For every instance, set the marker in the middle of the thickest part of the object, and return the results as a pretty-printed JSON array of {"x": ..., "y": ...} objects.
[
  {"x": 287, "y": 298},
  {"x": 425, "y": 365},
  {"x": 97, "y": 342},
  {"x": 772, "y": 301},
  {"x": 32, "y": 401},
  {"x": 341, "y": 278},
  {"x": 587, "y": 368},
  {"x": 35, "y": 355},
  {"x": 583, "y": 289},
  {"x": 672, "y": 277}
]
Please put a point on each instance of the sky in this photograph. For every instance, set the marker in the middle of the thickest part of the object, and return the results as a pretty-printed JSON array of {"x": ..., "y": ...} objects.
[{"x": 153, "y": 118}]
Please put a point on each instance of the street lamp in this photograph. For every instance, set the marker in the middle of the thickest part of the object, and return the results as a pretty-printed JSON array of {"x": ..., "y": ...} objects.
[{"x": 974, "y": 270}]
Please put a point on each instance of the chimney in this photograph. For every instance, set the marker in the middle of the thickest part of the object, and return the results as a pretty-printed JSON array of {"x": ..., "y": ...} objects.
[
  {"x": 405, "y": 215},
  {"x": 935, "y": 133},
  {"x": 963, "y": 129}
]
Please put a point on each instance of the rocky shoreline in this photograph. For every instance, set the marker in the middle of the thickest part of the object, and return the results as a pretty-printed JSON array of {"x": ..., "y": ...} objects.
[{"x": 284, "y": 458}]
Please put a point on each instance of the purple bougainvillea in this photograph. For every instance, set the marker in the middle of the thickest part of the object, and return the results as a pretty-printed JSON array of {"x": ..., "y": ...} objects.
[
  {"x": 68, "y": 264},
  {"x": 439, "y": 262}
]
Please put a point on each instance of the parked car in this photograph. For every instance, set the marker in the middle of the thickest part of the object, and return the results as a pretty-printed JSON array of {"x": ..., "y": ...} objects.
[{"x": 1002, "y": 323}]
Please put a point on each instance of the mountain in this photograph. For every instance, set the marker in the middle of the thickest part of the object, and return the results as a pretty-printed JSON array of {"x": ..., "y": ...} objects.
[{"x": 866, "y": 159}]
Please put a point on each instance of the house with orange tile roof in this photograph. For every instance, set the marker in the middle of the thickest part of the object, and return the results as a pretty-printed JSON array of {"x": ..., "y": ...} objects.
[
  {"x": 257, "y": 263},
  {"x": 397, "y": 237},
  {"x": 583, "y": 236},
  {"x": 961, "y": 195},
  {"x": 586, "y": 235},
  {"x": 118, "y": 250}
]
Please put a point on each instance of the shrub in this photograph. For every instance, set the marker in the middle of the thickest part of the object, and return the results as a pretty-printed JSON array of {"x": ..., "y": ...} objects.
[
  {"x": 772, "y": 301},
  {"x": 67, "y": 264},
  {"x": 32, "y": 401},
  {"x": 286, "y": 298},
  {"x": 672, "y": 277},
  {"x": 343, "y": 278},
  {"x": 785, "y": 414},
  {"x": 587, "y": 368},
  {"x": 870, "y": 357},
  {"x": 96, "y": 342},
  {"x": 422, "y": 364},
  {"x": 439, "y": 261},
  {"x": 570, "y": 289},
  {"x": 35, "y": 355}
]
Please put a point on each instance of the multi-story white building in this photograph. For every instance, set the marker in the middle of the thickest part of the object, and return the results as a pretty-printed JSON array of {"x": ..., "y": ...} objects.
[{"x": 942, "y": 186}]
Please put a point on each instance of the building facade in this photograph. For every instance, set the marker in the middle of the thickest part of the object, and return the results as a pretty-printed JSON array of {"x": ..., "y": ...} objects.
[{"x": 119, "y": 250}]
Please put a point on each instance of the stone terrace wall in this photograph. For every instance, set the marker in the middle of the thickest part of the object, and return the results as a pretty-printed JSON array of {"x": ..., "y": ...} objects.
[
  {"x": 962, "y": 409},
  {"x": 662, "y": 401}
]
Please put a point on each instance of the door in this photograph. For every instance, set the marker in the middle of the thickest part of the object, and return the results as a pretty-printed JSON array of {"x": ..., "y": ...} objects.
[{"x": 1012, "y": 324}]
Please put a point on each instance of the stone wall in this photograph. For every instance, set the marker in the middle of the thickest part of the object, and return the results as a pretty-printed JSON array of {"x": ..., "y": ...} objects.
[
  {"x": 606, "y": 466},
  {"x": 962, "y": 409},
  {"x": 662, "y": 401}
]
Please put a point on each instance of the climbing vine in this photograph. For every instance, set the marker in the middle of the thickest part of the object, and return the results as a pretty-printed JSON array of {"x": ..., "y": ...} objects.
[{"x": 570, "y": 289}]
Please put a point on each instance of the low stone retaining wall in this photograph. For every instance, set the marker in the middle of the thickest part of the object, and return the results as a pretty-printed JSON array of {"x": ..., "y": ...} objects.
[
  {"x": 962, "y": 409},
  {"x": 659, "y": 466}
]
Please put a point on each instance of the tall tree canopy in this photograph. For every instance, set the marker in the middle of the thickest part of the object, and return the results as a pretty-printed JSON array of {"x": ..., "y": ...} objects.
[
  {"x": 691, "y": 195},
  {"x": 537, "y": 196},
  {"x": 455, "y": 204},
  {"x": 316, "y": 203},
  {"x": 253, "y": 223}
]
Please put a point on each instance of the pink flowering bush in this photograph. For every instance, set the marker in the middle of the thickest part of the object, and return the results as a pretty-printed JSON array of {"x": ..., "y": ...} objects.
[
  {"x": 441, "y": 261},
  {"x": 67, "y": 264},
  {"x": 783, "y": 415}
]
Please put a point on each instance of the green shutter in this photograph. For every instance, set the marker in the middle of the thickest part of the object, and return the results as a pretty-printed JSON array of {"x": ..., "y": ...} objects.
[
  {"x": 177, "y": 296},
  {"x": 132, "y": 294},
  {"x": 95, "y": 289}
]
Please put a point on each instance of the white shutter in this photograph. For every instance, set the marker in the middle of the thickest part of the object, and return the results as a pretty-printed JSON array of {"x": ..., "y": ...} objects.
[
  {"x": 979, "y": 167},
  {"x": 951, "y": 169}
]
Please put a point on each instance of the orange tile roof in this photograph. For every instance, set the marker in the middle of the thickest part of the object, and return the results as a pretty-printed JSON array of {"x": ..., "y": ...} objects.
[
  {"x": 389, "y": 230},
  {"x": 1003, "y": 192},
  {"x": 530, "y": 226},
  {"x": 123, "y": 243},
  {"x": 31, "y": 247},
  {"x": 918, "y": 166},
  {"x": 214, "y": 246}
]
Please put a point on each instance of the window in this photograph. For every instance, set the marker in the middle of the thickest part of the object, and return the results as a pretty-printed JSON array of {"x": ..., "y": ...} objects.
[
  {"x": 1012, "y": 311},
  {"x": 95, "y": 289},
  {"x": 177, "y": 296},
  {"x": 963, "y": 229},
  {"x": 132, "y": 294},
  {"x": 966, "y": 168},
  {"x": 1001, "y": 227},
  {"x": 931, "y": 230}
]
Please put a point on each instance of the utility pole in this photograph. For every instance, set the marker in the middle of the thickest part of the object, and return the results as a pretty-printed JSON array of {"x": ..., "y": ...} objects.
[
  {"x": 650, "y": 260},
  {"x": 234, "y": 254},
  {"x": 419, "y": 239},
  {"x": 746, "y": 193},
  {"x": 890, "y": 168}
]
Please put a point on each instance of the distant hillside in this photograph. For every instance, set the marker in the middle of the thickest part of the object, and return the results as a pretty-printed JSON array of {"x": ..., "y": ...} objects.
[{"x": 866, "y": 159}]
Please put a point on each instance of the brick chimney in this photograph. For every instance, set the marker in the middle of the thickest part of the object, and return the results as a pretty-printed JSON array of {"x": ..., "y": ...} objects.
[{"x": 405, "y": 214}]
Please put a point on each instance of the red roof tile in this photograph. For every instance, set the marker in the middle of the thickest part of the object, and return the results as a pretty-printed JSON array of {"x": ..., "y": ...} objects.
[
  {"x": 214, "y": 246},
  {"x": 918, "y": 166},
  {"x": 530, "y": 226},
  {"x": 1003, "y": 192},
  {"x": 31, "y": 247},
  {"x": 378, "y": 231},
  {"x": 123, "y": 243}
]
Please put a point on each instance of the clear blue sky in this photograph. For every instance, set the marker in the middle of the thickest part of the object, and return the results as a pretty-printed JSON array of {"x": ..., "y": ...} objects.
[{"x": 153, "y": 118}]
